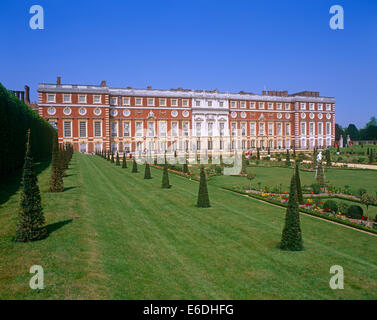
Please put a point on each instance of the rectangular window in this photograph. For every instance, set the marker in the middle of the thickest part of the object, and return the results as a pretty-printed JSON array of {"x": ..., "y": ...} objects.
[
  {"x": 320, "y": 107},
  {"x": 221, "y": 103},
  {"x": 98, "y": 147},
  {"x": 328, "y": 128},
  {"x": 242, "y": 104},
  {"x": 82, "y": 98},
  {"x": 210, "y": 129},
  {"x": 138, "y": 101},
  {"x": 114, "y": 129},
  {"x": 320, "y": 128},
  {"x": 261, "y": 105},
  {"x": 67, "y": 98},
  {"x": 328, "y": 107},
  {"x": 261, "y": 129},
  {"x": 270, "y": 106},
  {"x": 278, "y": 129},
  {"x": 185, "y": 129},
  {"x": 184, "y": 103},
  {"x": 311, "y": 106},
  {"x": 97, "y": 99},
  {"x": 150, "y": 102},
  {"x": 82, "y": 129},
  {"x": 174, "y": 102},
  {"x": 139, "y": 129},
  {"x": 67, "y": 129},
  {"x": 114, "y": 147},
  {"x": 198, "y": 129},
  {"x": 209, "y": 103},
  {"x": 252, "y": 129},
  {"x": 83, "y": 147},
  {"x": 287, "y": 129},
  {"x": 233, "y": 104},
  {"x": 197, "y": 103},
  {"x": 97, "y": 128},
  {"x": 252, "y": 105},
  {"x": 303, "y": 106},
  {"x": 126, "y": 129},
  {"x": 287, "y": 106},
  {"x": 209, "y": 144},
  {"x": 222, "y": 127},
  {"x": 150, "y": 129},
  {"x": 50, "y": 98},
  {"x": 126, "y": 101},
  {"x": 270, "y": 129},
  {"x": 303, "y": 128},
  {"x": 243, "y": 144},
  {"x": 162, "y": 128},
  {"x": 243, "y": 129},
  {"x": 174, "y": 129},
  {"x": 252, "y": 142},
  {"x": 278, "y": 106},
  {"x": 311, "y": 128},
  {"x": 197, "y": 145},
  {"x": 162, "y": 102},
  {"x": 233, "y": 129}
]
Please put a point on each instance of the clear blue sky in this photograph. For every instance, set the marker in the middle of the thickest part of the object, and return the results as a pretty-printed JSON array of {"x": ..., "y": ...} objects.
[{"x": 229, "y": 45}]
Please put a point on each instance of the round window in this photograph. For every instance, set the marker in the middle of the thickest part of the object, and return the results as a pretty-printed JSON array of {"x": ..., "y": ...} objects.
[
  {"x": 82, "y": 111},
  {"x": 126, "y": 112},
  {"x": 97, "y": 111},
  {"x": 51, "y": 111},
  {"x": 67, "y": 111},
  {"x": 113, "y": 113}
]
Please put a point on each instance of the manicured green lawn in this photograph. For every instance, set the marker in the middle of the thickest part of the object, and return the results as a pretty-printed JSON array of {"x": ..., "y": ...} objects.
[
  {"x": 130, "y": 239},
  {"x": 274, "y": 176}
]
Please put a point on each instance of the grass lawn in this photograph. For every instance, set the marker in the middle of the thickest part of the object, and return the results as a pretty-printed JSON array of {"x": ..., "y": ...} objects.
[
  {"x": 115, "y": 235},
  {"x": 274, "y": 176}
]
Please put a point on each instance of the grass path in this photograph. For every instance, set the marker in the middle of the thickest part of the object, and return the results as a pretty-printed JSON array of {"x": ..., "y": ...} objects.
[{"x": 130, "y": 239}]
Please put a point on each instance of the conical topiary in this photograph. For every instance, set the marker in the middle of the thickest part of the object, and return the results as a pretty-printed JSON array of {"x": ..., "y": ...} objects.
[
  {"x": 165, "y": 177},
  {"x": 203, "y": 199},
  {"x": 56, "y": 180},
  {"x": 288, "y": 159},
  {"x": 300, "y": 198},
  {"x": 243, "y": 167},
  {"x": 117, "y": 162},
  {"x": 147, "y": 172},
  {"x": 134, "y": 167},
  {"x": 31, "y": 220},
  {"x": 124, "y": 162},
  {"x": 291, "y": 236},
  {"x": 112, "y": 158}
]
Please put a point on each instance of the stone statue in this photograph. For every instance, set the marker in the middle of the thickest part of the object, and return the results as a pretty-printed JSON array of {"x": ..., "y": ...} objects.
[{"x": 319, "y": 156}]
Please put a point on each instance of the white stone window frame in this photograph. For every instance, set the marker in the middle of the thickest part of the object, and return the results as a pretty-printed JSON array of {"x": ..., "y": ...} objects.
[
  {"x": 161, "y": 124},
  {"x": 96, "y": 100},
  {"x": 138, "y": 101},
  {"x": 113, "y": 101},
  {"x": 162, "y": 102},
  {"x": 82, "y": 95},
  {"x": 311, "y": 106},
  {"x": 82, "y": 111},
  {"x": 69, "y": 96},
  {"x": 150, "y": 102},
  {"x": 320, "y": 107},
  {"x": 86, "y": 128},
  {"x": 328, "y": 106},
  {"x": 252, "y": 105},
  {"x": 126, "y": 101},
  {"x": 97, "y": 111},
  {"x": 186, "y": 131},
  {"x": 52, "y": 96},
  {"x": 261, "y": 105},
  {"x": 94, "y": 128},
  {"x": 174, "y": 102},
  {"x": 129, "y": 129},
  {"x": 287, "y": 106},
  {"x": 243, "y": 129},
  {"x": 279, "y": 106},
  {"x": 243, "y": 104},
  {"x": 148, "y": 129},
  {"x": 64, "y": 129},
  {"x": 141, "y": 131},
  {"x": 176, "y": 130},
  {"x": 270, "y": 128},
  {"x": 233, "y": 104},
  {"x": 302, "y": 106},
  {"x": 270, "y": 106},
  {"x": 253, "y": 129},
  {"x": 185, "y": 103},
  {"x": 51, "y": 111}
]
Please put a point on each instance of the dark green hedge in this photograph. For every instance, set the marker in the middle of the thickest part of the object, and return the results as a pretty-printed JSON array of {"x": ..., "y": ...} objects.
[{"x": 15, "y": 118}]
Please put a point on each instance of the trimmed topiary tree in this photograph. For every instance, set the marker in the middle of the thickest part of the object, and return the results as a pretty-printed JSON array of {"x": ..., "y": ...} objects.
[
  {"x": 56, "y": 180},
  {"x": 288, "y": 159},
  {"x": 124, "y": 162},
  {"x": 320, "y": 178},
  {"x": 147, "y": 172},
  {"x": 243, "y": 167},
  {"x": 134, "y": 167},
  {"x": 112, "y": 158},
  {"x": 291, "y": 237},
  {"x": 117, "y": 162},
  {"x": 300, "y": 198},
  {"x": 165, "y": 177},
  {"x": 203, "y": 199},
  {"x": 30, "y": 216}
]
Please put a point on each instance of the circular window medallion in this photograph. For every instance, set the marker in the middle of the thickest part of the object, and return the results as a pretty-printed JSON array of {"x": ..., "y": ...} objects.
[
  {"x": 97, "y": 111},
  {"x": 82, "y": 111},
  {"x": 328, "y": 116},
  {"x": 320, "y": 115},
  {"x": 287, "y": 115},
  {"x": 126, "y": 112},
  {"x": 67, "y": 111},
  {"x": 113, "y": 113},
  {"x": 243, "y": 115},
  {"x": 311, "y": 115},
  {"x": 185, "y": 113},
  {"x": 174, "y": 113},
  {"x": 303, "y": 115},
  {"x": 233, "y": 114},
  {"x": 279, "y": 115},
  {"x": 51, "y": 111}
]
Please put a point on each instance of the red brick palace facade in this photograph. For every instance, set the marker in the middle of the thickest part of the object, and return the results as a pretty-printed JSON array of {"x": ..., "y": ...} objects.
[{"x": 96, "y": 117}]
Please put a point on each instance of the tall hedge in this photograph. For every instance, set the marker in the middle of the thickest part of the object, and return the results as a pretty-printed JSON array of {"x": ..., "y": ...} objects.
[{"x": 15, "y": 119}]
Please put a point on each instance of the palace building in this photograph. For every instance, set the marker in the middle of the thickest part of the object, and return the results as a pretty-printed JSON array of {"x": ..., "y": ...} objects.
[{"x": 97, "y": 117}]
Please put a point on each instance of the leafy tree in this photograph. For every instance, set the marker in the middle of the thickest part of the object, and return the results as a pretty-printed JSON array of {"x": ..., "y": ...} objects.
[
  {"x": 250, "y": 176},
  {"x": 371, "y": 122},
  {"x": 124, "y": 162},
  {"x": 291, "y": 236},
  {"x": 203, "y": 199},
  {"x": 117, "y": 163},
  {"x": 339, "y": 132},
  {"x": 367, "y": 200},
  {"x": 31, "y": 220},
  {"x": 134, "y": 166},
  {"x": 353, "y": 132},
  {"x": 147, "y": 173},
  {"x": 298, "y": 188}
]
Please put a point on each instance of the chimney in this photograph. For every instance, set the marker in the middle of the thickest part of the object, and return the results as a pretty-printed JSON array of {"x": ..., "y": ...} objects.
[
  {"x": 58, "y": 80},
  {"x": 264, "y": 92},
  {"x": 103, "y": 83},
  {"x": 27, "y": 94},
  {"x": 149, "y": 88}
]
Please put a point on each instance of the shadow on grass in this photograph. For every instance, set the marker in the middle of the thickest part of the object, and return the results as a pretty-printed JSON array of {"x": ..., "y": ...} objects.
[
  {"x": 68, "y": 188},
  {"x": 56, "y": 226},
  {"x": 10, "y": 185}
]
